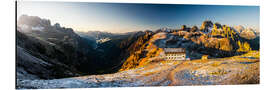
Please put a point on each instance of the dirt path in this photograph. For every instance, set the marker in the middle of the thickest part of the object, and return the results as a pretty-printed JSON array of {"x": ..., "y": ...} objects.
[{"x": 216, "y": 72}]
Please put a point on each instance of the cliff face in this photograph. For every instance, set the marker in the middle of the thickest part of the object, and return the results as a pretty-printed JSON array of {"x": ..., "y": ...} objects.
[{"x": 41, "y": 59}]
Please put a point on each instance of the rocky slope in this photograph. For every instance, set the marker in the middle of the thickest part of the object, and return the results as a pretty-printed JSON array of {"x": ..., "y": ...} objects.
[
  {"x": 243, "y": 69},
  {"x": 33, "y": 58},
  {"x": 60, "y": 47},
  {"x": 63, "y": 49},
  {"x": 213, "y": 40}
]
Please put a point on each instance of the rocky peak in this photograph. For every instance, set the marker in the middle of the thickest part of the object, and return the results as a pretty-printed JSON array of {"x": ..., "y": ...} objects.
[
  {"x": 185, "y": 28},
  {"x": 57, "y": 25},
  {"x": 248, "y": 33},
  {"x": 206, "y": 25},
  {"x": 217, "y": 25},
  {"x": 194, "y": 29},
  {"x": 239, "y": 28},
  {"x": 33, "y": 21}
]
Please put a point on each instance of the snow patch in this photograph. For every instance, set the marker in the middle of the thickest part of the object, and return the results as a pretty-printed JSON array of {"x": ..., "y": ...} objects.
[
  {"x": 38, "y": 28},
  {"x": 24, "y": 26},
  {"x": 103, "y": 40}
]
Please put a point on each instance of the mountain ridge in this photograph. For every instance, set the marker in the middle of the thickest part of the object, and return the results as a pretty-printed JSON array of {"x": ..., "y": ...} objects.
[{"x": 78, "y": 53}]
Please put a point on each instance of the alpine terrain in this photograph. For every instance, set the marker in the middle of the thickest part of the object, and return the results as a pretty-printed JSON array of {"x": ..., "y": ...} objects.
[{"x": 52, "y": 56}]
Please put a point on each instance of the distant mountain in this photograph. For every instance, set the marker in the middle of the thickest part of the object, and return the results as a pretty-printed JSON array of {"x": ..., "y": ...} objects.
[
  {"x": 239, "y": 28},
  {"x": 247, "y": 33},
  {"x": 33, "y": 23},
  {"x": 96, "y": 34}
]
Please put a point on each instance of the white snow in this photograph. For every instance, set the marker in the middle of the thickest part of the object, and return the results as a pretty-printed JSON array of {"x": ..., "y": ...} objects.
[
  {"x": 24, "y": 26},
  {"x": 103, "y": 40},
  {"x": 38, "y": 28}
]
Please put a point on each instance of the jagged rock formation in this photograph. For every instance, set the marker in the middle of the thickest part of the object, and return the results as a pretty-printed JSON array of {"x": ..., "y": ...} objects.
[
  {"x": 194, "y": 29},
  {"x": 215, "y": 40},
  {"x": 206, "y": 25}
]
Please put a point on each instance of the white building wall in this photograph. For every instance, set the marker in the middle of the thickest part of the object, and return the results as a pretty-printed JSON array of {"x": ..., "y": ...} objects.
[{"x": 175, "y": 56}]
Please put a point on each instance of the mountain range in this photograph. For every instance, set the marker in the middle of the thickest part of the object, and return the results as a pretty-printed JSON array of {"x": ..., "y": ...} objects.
[
  {"x": 46, "y": 51},
  {"x": 65, "y": 50}
]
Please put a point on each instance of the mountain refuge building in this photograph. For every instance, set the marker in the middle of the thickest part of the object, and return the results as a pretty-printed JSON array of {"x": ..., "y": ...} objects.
[{"x": 174, "y": 54}]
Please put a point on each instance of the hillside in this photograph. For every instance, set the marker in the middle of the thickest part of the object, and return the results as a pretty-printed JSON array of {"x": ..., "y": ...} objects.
[
  {"x": 243, "y": 69},
  {"x": 214, "y": 40}
]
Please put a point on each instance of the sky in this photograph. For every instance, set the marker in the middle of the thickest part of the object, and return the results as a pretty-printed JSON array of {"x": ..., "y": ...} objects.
[{"x": 123, "y": 17}]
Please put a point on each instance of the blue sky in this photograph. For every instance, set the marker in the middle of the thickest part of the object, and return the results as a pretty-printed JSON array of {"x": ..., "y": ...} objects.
[{"x": 117, "y": 17}]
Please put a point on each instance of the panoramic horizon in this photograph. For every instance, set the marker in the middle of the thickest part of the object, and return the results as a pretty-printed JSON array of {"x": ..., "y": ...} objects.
[
  {"x": 187, "y": 45},
  {"x": 129, "y": 17}
]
